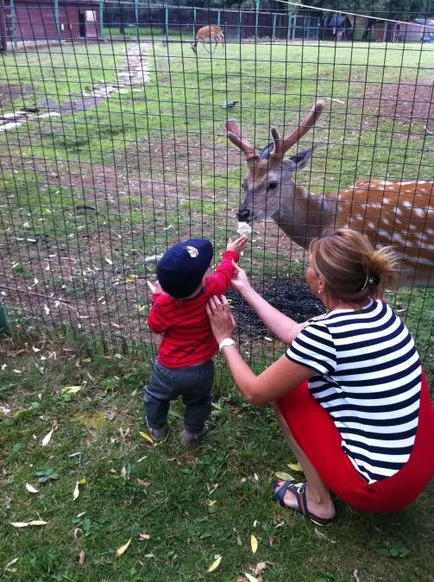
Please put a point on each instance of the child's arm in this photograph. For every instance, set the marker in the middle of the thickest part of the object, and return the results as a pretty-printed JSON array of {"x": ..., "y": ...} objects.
[
  {"x": 237, "y": 246},
  {"x": 155, "y": 288},
  {"x": 222, "y": 276},
  {"x": 156, "y": 321}
]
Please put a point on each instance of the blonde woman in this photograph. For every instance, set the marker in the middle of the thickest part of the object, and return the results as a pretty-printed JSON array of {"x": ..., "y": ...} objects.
[{"x": 350, "y": 392}]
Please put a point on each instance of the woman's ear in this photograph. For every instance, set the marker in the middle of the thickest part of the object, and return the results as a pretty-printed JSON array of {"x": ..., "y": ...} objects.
[{"x": 321, "y": 285}]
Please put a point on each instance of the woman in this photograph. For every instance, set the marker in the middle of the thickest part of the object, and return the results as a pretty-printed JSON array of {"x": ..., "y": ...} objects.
[{"x": 350, "y": 393}]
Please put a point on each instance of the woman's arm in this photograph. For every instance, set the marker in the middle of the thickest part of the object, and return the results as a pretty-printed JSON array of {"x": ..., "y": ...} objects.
[
  {"x": 282, "y": 326},
  {"x": 274, "y": 382}
]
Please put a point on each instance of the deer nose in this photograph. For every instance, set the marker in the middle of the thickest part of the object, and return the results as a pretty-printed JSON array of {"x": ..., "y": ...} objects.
[{"x": 243, "y": 215}]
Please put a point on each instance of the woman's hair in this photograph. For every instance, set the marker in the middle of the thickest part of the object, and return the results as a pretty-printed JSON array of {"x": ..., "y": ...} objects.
[{"x": 350, "y": 266}]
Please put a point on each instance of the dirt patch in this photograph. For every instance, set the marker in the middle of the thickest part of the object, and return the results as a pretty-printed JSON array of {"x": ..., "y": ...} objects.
[
  {"x": 293, "y": 299},
  {"x": 10, "y": 92},
  {"x": 407, "y": 102}
]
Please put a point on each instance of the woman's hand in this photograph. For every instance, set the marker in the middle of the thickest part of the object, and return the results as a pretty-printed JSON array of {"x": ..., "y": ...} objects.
[
  {"x": 240, "y": 281},
  {"x": 220, "y": 317}
]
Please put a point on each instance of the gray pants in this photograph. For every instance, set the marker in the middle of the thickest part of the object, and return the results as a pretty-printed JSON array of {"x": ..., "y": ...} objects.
[{"x": 194, "y": 384}]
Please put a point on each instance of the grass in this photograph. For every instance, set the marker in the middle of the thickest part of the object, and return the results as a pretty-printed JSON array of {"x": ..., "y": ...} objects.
[{"x": 193, "y": 504}]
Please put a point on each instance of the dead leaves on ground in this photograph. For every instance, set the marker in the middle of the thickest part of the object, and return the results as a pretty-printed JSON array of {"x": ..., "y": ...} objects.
[
  {"x": 33, "y": 523},
  {"x": 120, "y": 551}
]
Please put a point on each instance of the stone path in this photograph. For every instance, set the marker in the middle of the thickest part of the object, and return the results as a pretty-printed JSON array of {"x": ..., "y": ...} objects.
[{"x": 135, "y": 74}]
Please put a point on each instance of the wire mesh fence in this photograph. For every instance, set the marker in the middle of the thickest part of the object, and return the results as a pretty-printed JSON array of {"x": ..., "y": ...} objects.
[{"x": 114, "y": 146}]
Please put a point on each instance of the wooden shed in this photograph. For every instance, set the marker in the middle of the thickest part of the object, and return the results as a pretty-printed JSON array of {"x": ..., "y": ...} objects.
[{"x": 50, "y": 20}]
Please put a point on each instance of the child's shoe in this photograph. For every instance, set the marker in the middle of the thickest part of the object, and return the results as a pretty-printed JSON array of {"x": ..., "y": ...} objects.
[
  {"x": 159, "y": 434},
  {"x": 189, "y": 439}
]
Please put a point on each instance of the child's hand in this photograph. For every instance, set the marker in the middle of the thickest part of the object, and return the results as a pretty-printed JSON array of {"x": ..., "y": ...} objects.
[
  {"x": 238, "y": 245},
  {"x": 154, "y": 287}
]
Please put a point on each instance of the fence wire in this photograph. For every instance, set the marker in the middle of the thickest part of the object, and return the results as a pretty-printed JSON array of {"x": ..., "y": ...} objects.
[{"x": 113, "y": 147}]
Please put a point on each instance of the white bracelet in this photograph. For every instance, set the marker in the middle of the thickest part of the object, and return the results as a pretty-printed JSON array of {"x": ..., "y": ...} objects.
[{"x": 228, "y": 341}]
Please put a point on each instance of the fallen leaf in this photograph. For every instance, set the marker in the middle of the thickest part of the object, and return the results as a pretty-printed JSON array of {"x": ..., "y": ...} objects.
[
  {"x": 284, "y": 476},
  {"x": 143, "y": 483},
  {"x": 47, "y": 438},
  {"x": 31, "y": 489},
  {"x": 81, "y": 557},
  {"x": 144, "y": 537},
  {"x": 131, "y": 279},
  {"x": 71, "y": 389},
  {"x": 76, "y": 491},
  {"x": 35, "y": 522},
  {"x": 295, "y": 467},
  {"x": 9, "y": 564},
  {"x": 147, "y": 437},
  {"x": 259, "y": 568},
  {"x": 250, "y": 578},
  {"x": 322, "y": 535},
  {"x": 123, "y": 549},
  {"x": 253, "y": 544},
  {"x": 82, "y": 481},
  {"x": 215, "y": 564}
]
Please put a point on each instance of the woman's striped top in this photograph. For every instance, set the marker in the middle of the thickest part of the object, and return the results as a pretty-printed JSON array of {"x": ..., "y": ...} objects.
[{"x": 369, "y": 380}]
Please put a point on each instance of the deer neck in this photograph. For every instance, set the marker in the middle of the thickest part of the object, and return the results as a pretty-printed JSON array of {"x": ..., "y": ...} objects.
[{"x": 304, "y": 216}]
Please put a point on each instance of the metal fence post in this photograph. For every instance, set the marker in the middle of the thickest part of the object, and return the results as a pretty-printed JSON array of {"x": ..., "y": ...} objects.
[
  {"x": 166, "y": 21},
  {"x": 13, "y": 23},
  {"x": 57, "y": 19},
  {"x": 257, "y": 2},
  {"x": 101, "y": 18},
  {"x": 5, "y": 327}
]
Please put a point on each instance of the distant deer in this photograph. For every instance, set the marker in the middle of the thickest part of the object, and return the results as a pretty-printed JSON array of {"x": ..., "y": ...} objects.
[
  {"x": 208, "y": 35},
  {"x": 400, "y": 214}
]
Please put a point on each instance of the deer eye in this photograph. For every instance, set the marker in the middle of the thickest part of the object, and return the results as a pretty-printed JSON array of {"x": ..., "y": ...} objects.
[{"x": 272, "y": 185}]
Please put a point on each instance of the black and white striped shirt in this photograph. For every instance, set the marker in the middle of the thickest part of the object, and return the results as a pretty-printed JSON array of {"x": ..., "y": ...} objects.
[{"x": 369, "y": 380}]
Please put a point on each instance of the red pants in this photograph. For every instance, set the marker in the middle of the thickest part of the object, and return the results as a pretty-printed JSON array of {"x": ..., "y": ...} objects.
[{"x": 315, "y": 432}]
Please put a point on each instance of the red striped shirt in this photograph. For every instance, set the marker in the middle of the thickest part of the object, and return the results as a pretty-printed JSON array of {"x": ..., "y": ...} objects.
[{"x": 187, "y": 336}]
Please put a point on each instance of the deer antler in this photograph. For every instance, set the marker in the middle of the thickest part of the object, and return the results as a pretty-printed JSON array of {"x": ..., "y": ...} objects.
[
  {"x": 234, "y": 134},
  {"x": 281, "y": 146}
]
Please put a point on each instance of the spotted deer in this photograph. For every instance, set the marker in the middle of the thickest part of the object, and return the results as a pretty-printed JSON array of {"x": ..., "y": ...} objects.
[
  {"x": 208, "y": 35},
  {"x": 399, "y": 214}
]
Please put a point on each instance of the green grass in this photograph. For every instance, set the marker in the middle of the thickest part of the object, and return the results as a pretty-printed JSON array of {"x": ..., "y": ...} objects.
[{"x": 193, "y": 504}]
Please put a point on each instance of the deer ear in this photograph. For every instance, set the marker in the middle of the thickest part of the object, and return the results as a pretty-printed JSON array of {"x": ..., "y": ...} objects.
[
  {"x": 302, "y": 159},
  {"x": 267, "y": 151}
]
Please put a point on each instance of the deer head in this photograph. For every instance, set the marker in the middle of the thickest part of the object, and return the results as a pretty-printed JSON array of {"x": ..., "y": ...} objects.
[
  {"x": 269, "y": 185},
  {"x": 400, "y": 214}
]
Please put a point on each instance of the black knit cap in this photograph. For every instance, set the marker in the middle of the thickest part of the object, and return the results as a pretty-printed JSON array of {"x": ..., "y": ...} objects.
[{"x": 182, "y": 267}]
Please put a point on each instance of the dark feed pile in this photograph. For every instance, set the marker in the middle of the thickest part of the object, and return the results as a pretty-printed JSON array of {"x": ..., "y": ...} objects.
[{"x": 293, "y": 299}]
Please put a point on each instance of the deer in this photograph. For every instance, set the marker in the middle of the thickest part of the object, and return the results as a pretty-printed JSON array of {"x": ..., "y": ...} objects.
[
  {"x": 208, "y": 35},
  {"x": 396, "y": 214}
]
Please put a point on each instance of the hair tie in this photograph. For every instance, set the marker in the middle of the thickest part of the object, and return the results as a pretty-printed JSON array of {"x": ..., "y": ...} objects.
[{"x": 371, "y": 279}]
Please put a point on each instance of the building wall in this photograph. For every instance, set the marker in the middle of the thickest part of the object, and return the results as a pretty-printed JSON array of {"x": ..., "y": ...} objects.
[{"x": 37, "y": 21}]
